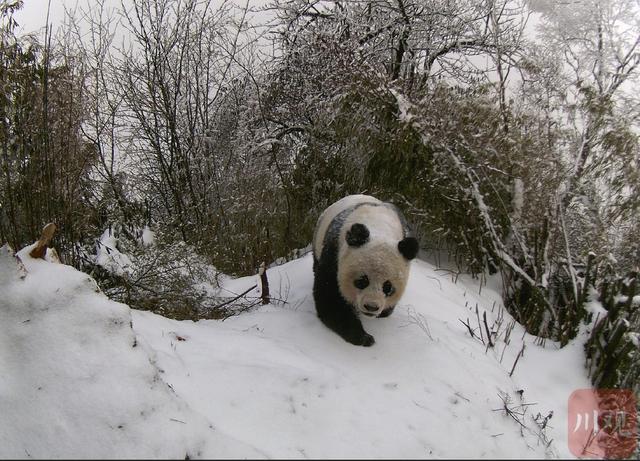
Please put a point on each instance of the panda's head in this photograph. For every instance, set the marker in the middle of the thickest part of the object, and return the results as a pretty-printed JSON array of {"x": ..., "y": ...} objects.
[{"x": 372, "y": 275}]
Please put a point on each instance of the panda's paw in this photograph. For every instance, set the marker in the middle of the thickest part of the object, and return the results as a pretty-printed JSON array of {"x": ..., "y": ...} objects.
[
  {"x": 367, "y": 340},
  {"x": 360, "y": 339}
]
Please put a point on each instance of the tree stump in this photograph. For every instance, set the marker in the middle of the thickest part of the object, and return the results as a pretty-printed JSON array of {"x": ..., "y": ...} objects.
[
  {"x": 265, "y": 283},
  {"x": 40, "y": 249}
]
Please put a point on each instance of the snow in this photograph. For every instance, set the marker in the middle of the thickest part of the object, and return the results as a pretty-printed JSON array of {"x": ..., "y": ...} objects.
[
  {"x": 84, "y": 376},
  {"x": 109, "y": 257},
  {"x": 75, "y": 383},
  {"x": 148, "y": 237},
  {"x": 404, "y": 106}
]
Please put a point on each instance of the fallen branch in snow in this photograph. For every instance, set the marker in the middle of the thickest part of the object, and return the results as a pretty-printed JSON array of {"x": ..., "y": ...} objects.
[
  {"x": 234, "y": 299},
  {"x": 518, "y": 412},
  {"x": 454, "y": 274},
  {"x": 253, "y": 301},
  {"x": 473, "y": 335},
  {"x": 240, "y": 310},
  {"x": 419, "y": 320},
  {"x": 517, "y": 416},
  {"x": 542, "y": 422}
]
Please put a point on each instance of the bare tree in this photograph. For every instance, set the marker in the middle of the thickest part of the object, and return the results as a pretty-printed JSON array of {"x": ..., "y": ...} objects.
[
  {"x": 92, "y": 32},
  {"x": 171, "y": 77},
  {"x": 414, "y": 40}
]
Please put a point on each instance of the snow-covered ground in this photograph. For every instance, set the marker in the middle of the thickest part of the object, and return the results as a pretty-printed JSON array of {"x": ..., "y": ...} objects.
[{"x": 86, "y": 377}]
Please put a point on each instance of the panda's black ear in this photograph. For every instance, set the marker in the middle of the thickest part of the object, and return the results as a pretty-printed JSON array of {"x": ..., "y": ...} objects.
[
  {"x": 409, "y": 247},
  {"x": 358, "y": 235}
]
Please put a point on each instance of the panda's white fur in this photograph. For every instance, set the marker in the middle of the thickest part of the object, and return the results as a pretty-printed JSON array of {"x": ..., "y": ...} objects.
[
  {"x": 378, "y": 258},
  {"x": 383, "y": 222},
  {"x": 328, "y": 215}
]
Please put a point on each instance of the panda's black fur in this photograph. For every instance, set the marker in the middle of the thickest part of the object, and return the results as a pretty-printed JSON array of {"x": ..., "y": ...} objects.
[{"x": 333, "y": 309}]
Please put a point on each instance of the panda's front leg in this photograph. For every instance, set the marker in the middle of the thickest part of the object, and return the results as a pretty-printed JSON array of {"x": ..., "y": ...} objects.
[
  {"x": 337, "y": 314},
  {"x": 342, "y": 319}
]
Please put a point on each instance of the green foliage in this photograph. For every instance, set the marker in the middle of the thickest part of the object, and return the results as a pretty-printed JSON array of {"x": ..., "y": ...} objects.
[
  {"x": 166, "y": 277},
  {"x": 613, "y": 350},
  {"x": 44, "y": 163}
]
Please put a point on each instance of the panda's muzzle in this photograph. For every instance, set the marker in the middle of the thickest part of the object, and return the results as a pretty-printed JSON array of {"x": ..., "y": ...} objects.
[{"x": 371, "y": 307}]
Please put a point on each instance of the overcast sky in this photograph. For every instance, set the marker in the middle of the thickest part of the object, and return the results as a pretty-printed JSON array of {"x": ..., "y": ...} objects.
[{"x": 33, "y": 15}]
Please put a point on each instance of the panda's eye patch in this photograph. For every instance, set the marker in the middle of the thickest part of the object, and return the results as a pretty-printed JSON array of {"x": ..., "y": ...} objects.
[
  {"x": 387, "y": 288},
  {"x": 361, "y": 282}
]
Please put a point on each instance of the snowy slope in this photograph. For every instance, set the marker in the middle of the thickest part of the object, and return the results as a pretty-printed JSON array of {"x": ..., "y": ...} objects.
[
  {"x": 76, "y": 383},
  {"x": 279, "y": 380},
  {"x": 273, "y": 382}
]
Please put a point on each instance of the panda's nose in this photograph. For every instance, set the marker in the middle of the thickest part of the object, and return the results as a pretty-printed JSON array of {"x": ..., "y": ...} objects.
[{"x": 371, "y": 307}]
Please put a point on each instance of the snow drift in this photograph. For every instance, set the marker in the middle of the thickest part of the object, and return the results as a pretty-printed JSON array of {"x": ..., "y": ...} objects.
[
  {"x": 76, "y": 383},
  {"x": 87, "y": 377}
]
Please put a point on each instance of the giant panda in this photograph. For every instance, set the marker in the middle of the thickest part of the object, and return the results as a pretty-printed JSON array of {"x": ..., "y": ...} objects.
[{"x": 362, "y": 249}]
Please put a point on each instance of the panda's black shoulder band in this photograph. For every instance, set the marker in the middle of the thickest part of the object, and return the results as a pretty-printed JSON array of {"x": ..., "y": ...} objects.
[{"x": 358, "y": 235}]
